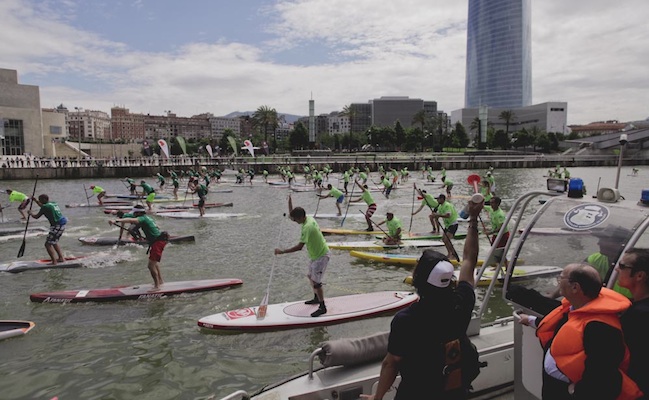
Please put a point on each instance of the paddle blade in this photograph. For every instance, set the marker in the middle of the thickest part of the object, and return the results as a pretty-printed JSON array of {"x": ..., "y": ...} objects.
[
  {"x": 21, "y": 252},
  {"x": 474, "y": 180},
  {"x": 263, "y": 307}
]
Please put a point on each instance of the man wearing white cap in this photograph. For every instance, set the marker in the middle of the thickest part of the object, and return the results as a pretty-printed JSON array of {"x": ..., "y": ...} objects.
[{"x": 418, "y": 334}]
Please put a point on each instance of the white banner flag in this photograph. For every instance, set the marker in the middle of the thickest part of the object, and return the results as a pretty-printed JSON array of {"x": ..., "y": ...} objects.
[
  {"x": 209, "y": 150},
  {"x": 247, "y": 144},
  {"x": 163, "y": 146}
]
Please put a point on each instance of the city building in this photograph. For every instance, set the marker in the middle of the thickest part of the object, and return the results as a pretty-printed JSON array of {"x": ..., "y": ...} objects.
[
  {"x": 21, "y": 125},
  {"x": 126, "y": 126},
  {"x": 220, "y": 124},
  {"x": 548, "y": 117},
  {"x": 598, "y": 128},
  {"x": 498, "y": 54},
  {"x": 338, "y": 123},
  {"x": 88, "y": 125},
  {"x": 54, "y": 121}
]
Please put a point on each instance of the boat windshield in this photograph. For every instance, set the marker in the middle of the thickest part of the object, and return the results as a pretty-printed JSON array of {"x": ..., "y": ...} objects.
[{"x": 566, "y": 231}]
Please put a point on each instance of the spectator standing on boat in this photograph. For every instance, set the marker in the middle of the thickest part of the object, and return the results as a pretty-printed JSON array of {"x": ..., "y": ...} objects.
[
  {"x": 100, "y": 192},
  {"x": 428, "y": 201},
  {"x": 149, "y": 193},
  {"x": 366, "y": 196},
  {"x": 18, "y": 197},
  {"x": 610, "y": 242},
  {"x": 448, "y": 213},
  {"x": 336, "y": 194},
  {"x": 415, "y": 346},
  {"x": 585, "y": 354},
  {"x": 318, "y": 251},
  {"x": 633, "y": 274},
  {"x": 394, "y": 228},
  {"x": 157, "y": 241},
  {"x": 57, "y": 221}
]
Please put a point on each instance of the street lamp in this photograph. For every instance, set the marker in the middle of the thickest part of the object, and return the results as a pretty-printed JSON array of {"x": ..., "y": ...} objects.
[{"x": 79, "y": 109}]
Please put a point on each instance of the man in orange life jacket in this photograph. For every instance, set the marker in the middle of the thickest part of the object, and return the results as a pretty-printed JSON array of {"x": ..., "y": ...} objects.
[{"x": 585, "y": 355}]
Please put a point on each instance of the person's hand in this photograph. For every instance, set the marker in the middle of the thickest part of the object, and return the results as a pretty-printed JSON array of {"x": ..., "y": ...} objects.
[
  {"x": 278, "y": 251},
  {"x": 525, "y": 320},
  {"x": 110, "y": 222},
  {"x": 475, "y": 208}
]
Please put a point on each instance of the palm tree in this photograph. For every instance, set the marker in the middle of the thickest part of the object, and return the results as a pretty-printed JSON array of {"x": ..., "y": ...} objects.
[
  {"x": 351, "y": 113},
  {"x": 265, "y": 117},
  {"x": 421, "y": 117},
  {"x": 508, "y": 116}
]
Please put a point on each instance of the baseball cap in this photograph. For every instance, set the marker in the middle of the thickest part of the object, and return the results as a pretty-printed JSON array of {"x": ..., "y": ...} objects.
[
  {"x": 614, "y": 232},
  {"x": 441, "y": 195},
  {"x": 92, "y": 186},
  {"x": 138, "y": 209},
  {"x": 433, "y": 269}
]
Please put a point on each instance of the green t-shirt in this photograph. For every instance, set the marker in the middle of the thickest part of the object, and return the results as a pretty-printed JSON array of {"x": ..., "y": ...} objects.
[
  {"x": 497, "y": 219},
  {"x": 17, "y": 196},
  {"x": 601, "y": 264},
  {"x": 430, "y": 201},
  {"x": 393, "y": 225},
  {"x": 97, "y": 189},
  {"x": 312, "y": 237},
  {"x": 386, "y": 183},
  {"x": 335, "y": 193},
  {"x": 448, "y": 208},
  {"x": 147, "y": 188},
  {"x": 52, "y": 212},
  {"x": 346, "y": 176},
  {"x": 363, "y": 176},
  {"x": 367, "y": 197},
  {"x": 149, "y": 227}
]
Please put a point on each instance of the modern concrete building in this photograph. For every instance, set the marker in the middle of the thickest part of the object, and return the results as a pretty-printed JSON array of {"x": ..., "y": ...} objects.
[
  {"x": 498, "y": 54},
  {"x": 338, "y": 124},
  {"x": 53, "y": 131},
  {"x": 21, "y": 125},
  {"x": 220, "y": 124},
  {"x": 548, "y": 117},
  {"x": 387, "y": 110}
]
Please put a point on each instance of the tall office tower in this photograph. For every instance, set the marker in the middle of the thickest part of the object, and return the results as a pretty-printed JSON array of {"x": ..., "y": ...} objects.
[{"x": 498, "y": 54}]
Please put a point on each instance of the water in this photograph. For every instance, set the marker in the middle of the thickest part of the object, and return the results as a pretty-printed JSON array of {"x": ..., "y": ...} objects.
[{"x": 154, "y": 349}]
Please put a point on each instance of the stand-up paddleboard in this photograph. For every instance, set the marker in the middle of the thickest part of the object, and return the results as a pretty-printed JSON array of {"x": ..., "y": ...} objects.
[
  {"x": 195, "y": 206},
  {"x": 296, "y": 314},
  {"x": 20, "y": 266},
  {"x": 109, "y": 241},
  {"x": 134, "y": 196},
  {"x": 137, "y": 292},
  {"x": 18, "y": 230},
  {"x": 192, "y": 215},
  {"x": 519, "y": 274},
  {"x": 11, "y": 328},
  {"x": 340, "y": 231},
  {"x": 336, "y": 216},
  {"x": 379, "y": 245},
  {"x": 277, "y": 183},
  {"x": 426, "y": 236},
  {"x": 106, "y": 204},
  {"x": 398, "y": 259}
]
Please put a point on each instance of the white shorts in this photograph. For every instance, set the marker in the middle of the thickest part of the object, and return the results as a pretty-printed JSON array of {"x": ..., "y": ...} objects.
[{"x": 317, "y": 268}]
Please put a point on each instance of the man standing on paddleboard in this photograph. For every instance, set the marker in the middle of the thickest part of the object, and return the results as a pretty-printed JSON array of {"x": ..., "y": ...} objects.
[
  {"x": 100, "y": 192},
  {"x": 18, "y": 197},
  {"x": 318, "y": 250},
  {"x": 366, "y": 196},
  {"x": 157, "y": 241},
  {"x": 52, "y": 212},
  {"x": 336, "y": 194},
  {"x": 448, "y": 213}
]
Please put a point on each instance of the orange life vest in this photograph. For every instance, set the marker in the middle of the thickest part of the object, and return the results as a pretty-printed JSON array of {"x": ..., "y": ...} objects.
[{"x": 567, "y": 348}]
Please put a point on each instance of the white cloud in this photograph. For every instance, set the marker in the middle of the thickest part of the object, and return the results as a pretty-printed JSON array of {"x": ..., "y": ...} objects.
[{"x": 590, "y": 53}]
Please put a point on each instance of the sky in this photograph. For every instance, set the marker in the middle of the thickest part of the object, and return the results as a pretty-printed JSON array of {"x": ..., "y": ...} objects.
[{"x": 219, "y": 56}]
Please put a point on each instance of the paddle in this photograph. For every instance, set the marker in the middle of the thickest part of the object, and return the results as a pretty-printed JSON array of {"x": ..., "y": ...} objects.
[
  {"x": 318, "y": 191},
  {"x": 412, "y": 217},
  {"x": 348, "y": 202},
  {"x": 21, "y": 252},
  {"x": 597, "y": 191},
  {"x": 375, "y": 224},
  {"x": 86, "y": 193},
  {"x": 263, "y": 306},
  {"x": 382, "y": 190},
  {"x": 474, "y": 180}
]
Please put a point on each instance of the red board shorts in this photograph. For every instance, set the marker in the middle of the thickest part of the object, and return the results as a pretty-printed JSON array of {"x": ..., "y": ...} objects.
[{"x": 156, "y": 250}]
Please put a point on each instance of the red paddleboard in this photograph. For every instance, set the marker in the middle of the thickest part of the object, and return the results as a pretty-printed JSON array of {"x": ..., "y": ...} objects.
[
  {"x": 296, "y": 314},
  {"x": 137, "y": 292}
]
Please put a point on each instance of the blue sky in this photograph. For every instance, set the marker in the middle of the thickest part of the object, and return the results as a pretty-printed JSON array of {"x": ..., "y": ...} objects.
[{"x": 219, "y": 56}]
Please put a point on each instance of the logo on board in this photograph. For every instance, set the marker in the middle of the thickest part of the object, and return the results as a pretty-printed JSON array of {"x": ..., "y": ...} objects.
[{"x": 586, "y": 216}]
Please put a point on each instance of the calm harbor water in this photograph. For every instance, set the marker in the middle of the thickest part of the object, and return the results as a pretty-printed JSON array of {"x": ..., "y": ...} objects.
[{"x": 154, "y": 349}]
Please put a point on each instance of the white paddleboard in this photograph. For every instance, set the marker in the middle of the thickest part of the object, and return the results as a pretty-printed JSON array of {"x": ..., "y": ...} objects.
[
  {"x": 296, "y": 314},
  {"x": 11, "y": 328},
  {"x": 379, "y": 245},
  {"x": 192, "y": 215}
]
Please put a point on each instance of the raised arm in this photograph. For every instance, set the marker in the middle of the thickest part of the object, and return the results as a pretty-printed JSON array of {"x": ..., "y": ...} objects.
[{"x": 470, "y": 254}]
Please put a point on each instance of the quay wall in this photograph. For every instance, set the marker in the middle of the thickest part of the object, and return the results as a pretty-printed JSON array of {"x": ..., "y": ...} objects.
[{"x": 147, "y": 167}]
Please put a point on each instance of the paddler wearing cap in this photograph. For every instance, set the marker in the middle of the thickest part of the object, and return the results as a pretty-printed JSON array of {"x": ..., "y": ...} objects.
[
  {"x": 100, "y": 192},
  {"x": 394, "y": 227},
  {"x": 149, "y": 192},
  {"x": 157, "y": 241},
  {"x": 416, "y": 347},
  {"x": 448, "y": 213}
]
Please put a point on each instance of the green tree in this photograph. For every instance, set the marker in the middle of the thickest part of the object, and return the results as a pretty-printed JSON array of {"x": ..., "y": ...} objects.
[
  {"x": 543, "y": 142},
  {"x": 460, "y": 135},
  {"x": 414, "y": 140},
  {"x": 501, "y": 140},
  {"x": 399, "y": 134},
  {"x": 349, "y": 112},
  {"x": 299, "y": 137},
  {"x": 266, "y": 119},
  {"x": 508, "y": 116}
]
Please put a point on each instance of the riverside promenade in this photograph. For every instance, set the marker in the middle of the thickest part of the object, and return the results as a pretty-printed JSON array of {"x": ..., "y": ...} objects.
[{"x": 72, "y": 168}]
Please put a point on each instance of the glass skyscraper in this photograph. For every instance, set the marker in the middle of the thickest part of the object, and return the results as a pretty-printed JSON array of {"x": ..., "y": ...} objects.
[{"x": 498, "y": 54}]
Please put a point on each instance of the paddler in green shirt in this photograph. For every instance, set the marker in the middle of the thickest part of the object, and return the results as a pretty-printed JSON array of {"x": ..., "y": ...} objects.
[
  {"x": 265, "y": 173},
  {"x": 366, "y": 196},
  {"x": 100, "y": 192},
  {"x": 316, "y": 246},
  {"x": 448, "y": 184},
  {"x": 52, "y": 212},
  {"x": 387, "y": 186},
  {"x": 157, "y": 241},
  {"x": 149, "y": 192},
  {"x": 447, "y": 212},
  {"x": 336, "y": 194},
  {"x": 428, "y": 201},
  {"x": 346, "y": 180},
  {"x": 18, "y": 197},
  {"x": 132, "y": 185},
  {"x": 485, "y": 190},
  {"x": 394, "y": 228},
  {"x": 497, "y": 217}
]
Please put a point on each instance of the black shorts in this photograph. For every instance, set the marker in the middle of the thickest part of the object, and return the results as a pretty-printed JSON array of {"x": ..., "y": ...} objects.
[
  {"x": 201, "y": 202},
  {"x": 452, "y": 229},
  {"x": 23, "y": 205}
]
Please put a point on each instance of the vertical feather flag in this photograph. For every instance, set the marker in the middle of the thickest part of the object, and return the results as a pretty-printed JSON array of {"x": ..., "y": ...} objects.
[
  {"x": 209, "y": 150},
  {"x": 233, "y": 143},
  {"x": 182, "y": 144},
  {"x": 163, "y": 146}
]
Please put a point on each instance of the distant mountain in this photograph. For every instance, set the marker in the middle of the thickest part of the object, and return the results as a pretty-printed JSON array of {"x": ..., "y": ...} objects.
[{"x": 290, "y": 118}]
